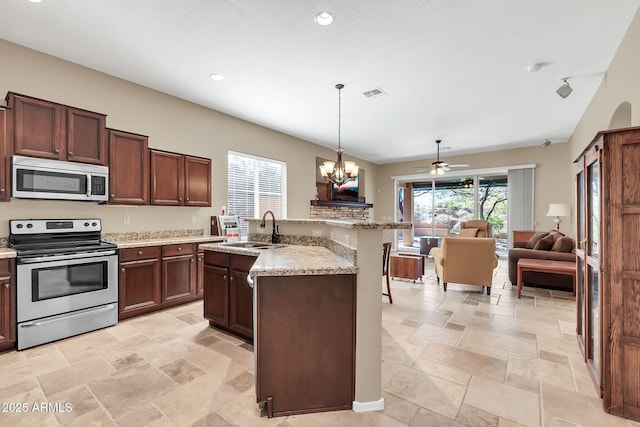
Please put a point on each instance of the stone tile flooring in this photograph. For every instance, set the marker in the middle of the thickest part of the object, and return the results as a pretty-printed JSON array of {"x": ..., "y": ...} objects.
[{"x": 455, "y": 358}]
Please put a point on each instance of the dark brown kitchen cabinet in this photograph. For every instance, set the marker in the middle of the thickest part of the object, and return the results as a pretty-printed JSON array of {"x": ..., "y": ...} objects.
[
  {"x": 128, "y": 168},
  {"x": 200, "y": 272},
  {"x": 228, "y": 296},
  {"x": 55, "y": 131},
  {"x": 139, "y": 281},
  {"x": 178, "y": 272},
  {"x": 7, "y": 305},
  {"x": 5, "y": 162},
  {"x": 306, "y": 337},
  {"x": 179, "y": 180},
  {"x": 197, "y": 181}
]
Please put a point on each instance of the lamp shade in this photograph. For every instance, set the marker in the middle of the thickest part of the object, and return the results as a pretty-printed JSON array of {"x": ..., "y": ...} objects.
[{"x": 559, "y": 209}]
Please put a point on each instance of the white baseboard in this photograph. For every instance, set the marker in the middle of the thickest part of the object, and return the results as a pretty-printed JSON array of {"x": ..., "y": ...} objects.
[{"x": 376, "y": 405}]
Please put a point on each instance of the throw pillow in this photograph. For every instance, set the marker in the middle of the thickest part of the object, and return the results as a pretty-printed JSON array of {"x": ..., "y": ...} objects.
[
  {"x": 544, "y": 244},
  {"x": 563, "y": 244},
  {"x": 534, "y": 239},
  {"x": 469, "y": 232}
]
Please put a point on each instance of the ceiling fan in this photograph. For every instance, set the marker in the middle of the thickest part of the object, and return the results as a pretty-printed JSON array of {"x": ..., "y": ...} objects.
[{"x": 439, "y": 167}]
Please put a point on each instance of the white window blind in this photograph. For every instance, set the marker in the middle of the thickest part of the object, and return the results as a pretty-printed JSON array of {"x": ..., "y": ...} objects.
[{"x": 256, "y": 185}]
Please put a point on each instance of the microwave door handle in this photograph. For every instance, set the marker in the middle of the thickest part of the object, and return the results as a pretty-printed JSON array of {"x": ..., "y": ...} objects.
[{"x": 88, "y": 185}]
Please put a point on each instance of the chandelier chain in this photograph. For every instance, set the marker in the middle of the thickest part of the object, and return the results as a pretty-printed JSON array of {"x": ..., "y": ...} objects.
[{"x": 339, "y": 111}]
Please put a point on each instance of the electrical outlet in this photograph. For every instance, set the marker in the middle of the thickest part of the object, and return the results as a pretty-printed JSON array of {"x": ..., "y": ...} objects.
[
  {"x": 193, "y": 219},
  {"x": 316, "y": 233},
  {"x": 126, "y": 219}
]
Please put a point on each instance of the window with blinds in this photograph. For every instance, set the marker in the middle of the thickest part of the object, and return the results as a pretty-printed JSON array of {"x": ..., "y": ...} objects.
[{"x": 256, "y": 185}]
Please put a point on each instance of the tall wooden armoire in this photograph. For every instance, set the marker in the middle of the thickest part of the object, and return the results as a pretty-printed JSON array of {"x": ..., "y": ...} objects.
[{"x": 608, "y": 266}]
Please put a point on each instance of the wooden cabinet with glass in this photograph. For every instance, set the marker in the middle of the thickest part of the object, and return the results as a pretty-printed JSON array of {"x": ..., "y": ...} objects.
[{"x": 608, "y": 266}]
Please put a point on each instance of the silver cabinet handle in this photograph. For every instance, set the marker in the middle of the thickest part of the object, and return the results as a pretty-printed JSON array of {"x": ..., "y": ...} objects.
[
  {"x": 139, "y": 252},
  {"x": 225, "y": 277},
  {"x": 70, "y": 153},
  {"x": 6, "y": 285},
  {"x": 187, "y": 199},
  {"x": 122, "y": 269},
  {"x": 56, "y": 151},
  {"x": 179, "y": 248},
  {"x": 1, "y": 190}
]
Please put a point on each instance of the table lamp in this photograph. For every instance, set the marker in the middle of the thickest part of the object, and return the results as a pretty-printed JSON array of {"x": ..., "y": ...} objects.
[{"x": 557, "y": 210}]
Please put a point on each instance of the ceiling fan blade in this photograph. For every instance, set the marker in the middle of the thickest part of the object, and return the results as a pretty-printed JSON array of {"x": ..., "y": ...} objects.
[{"x": 461, "y": 165}]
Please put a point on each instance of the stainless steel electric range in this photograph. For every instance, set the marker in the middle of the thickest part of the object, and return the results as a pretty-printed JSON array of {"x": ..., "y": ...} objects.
[{"x": 66, "y": 277}]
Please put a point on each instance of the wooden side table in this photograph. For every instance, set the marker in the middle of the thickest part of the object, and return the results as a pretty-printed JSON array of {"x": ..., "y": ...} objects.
[
  {"x": 407, "y": 266},
  {"x": 546, "y": 266}
]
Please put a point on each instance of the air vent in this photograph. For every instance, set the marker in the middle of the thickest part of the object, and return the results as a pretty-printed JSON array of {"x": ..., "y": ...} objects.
[{"x": 374, "y": 92}]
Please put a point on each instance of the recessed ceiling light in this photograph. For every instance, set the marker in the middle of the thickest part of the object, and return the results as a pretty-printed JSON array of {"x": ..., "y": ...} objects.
[
  {"x": 35, "y": 1},
  {"x": 217, "y": 77},
  {"x": 323, "y": 18}
]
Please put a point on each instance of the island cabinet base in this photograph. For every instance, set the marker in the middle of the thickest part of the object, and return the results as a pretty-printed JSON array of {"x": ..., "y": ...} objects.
[{"x": 305, "y": 343}]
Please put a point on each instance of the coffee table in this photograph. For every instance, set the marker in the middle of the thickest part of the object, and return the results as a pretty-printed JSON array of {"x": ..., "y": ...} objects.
[{"x": 547, "y": 266}]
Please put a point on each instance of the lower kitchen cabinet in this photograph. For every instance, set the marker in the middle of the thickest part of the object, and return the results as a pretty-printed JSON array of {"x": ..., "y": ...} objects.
[
  {"x": 156, "y": 277},
  {"x": 7, "y": 305},
  {"x": 178, "y": 272},
  {"x": 305, "y": 346},
  {"x": 228, "y": 297},
  {"x": 139, "y": 281}
]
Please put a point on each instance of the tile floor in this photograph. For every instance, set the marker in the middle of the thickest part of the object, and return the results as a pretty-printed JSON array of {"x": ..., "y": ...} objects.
[{"x": 458, "y": 358}]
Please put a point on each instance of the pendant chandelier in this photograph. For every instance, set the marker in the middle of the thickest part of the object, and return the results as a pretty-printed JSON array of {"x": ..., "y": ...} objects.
[
  {"x": 339, "y": 172},
  {"x": 438, "y": 167}
]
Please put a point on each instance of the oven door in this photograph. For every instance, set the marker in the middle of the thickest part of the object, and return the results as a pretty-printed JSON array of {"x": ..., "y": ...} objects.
[{"x": 53, "y": 285}]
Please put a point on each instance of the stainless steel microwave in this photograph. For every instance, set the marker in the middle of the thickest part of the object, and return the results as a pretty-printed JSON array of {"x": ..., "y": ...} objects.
[{"x": 34, "y": 178}]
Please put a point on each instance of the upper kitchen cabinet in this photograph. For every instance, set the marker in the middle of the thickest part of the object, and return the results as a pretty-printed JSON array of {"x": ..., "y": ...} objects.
[
  {"x": 179, "y": 180},
  {"x": 197, "y": 181},
  {"x": 128, "y": 168},
  {"x": 55, "y": 131},
  {"x": 5, "y": 122}
]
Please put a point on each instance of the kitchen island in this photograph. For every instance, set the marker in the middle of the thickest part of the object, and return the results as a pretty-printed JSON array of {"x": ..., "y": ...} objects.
[{"x": 320, "y": 352}]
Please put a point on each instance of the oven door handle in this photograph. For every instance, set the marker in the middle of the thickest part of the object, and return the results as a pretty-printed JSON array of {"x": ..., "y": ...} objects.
[
  {"x": 66, "y": 257},
  {"x": 78, "y": 314}
]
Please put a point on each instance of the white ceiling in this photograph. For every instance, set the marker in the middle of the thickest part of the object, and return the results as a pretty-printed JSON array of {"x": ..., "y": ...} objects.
[{"x": 454, "y": 70}]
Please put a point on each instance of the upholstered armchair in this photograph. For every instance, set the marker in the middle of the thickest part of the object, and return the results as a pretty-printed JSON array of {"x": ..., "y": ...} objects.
[
  {"x": 482, "y": 228},
  {"x": 466, "y": 260}
]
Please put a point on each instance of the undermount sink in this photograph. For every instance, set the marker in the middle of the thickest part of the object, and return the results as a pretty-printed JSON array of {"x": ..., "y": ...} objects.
[{"x": 252, "y": 245}]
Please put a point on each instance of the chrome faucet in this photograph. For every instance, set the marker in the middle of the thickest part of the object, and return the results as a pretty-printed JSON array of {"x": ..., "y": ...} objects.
[{"x": 275, "y": 237}]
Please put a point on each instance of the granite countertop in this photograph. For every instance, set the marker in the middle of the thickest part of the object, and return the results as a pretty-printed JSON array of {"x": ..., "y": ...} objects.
[
  {"x": 354, "y": 224},
  {"x": 7, "y": 253},
  {"x": 291, "y": 260},
  {"x": 138, "y": 243}
]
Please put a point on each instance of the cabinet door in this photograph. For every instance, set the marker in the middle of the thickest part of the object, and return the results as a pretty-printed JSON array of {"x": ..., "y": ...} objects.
[
  {"x": 7, "y": 306},
  {"x": 200, "y": 273},
  {"x": 178, "y": 277},
  {"x": 39, "y": 127},
  {"x": 240, "y": 304},
  {"x": 4, "y": 156},
  {"x": 139, "y": 287},
  {"x": 216, "y": 295},
  {"x": 167, "y": 178},
  {"x": 128, "y": 168},
  {"x": 197, "y": 173},
  {"x": 86, "y": 137}
]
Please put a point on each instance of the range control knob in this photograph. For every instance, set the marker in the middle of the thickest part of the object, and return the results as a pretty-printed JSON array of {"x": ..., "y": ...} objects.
[
  {"x": 19, "y": 226},
  {"x": 29, "y": 225},
  {"x": 86, "y": 224},
  {"x": 94, "y": 223}
]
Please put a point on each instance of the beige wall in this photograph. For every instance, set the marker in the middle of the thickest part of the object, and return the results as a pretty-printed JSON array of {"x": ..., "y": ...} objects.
[
  {"x": 553, "y": 178},
  {"x": 171, "y": 124},
  {"x": 621, "y": 84}
]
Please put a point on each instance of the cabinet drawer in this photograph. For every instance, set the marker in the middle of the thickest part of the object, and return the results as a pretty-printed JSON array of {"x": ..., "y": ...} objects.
[
  {"x": 132, "y": 254},
  {"x": 219, "y": 259},
  {"x": 5, "y": 267},
  {"x": 242, "y": 262},
  {"x": 179, "y": 249}
]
